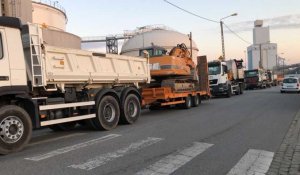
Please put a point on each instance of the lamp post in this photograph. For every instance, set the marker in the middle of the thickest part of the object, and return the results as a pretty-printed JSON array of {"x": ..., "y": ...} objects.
[
  {"x": 222, "y": 33},
  {"x": 283, "y": 60}
]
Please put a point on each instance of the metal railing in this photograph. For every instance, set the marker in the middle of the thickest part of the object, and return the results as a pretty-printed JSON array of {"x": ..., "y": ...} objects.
[{"x": 52, "y": 3}]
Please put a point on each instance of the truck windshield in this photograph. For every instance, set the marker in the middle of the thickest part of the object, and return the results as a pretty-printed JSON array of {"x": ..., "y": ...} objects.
[
  {"x": 290, "y": 80},
  {"x": 251, "y": 73},
  {"x": 214, "y": 69}
]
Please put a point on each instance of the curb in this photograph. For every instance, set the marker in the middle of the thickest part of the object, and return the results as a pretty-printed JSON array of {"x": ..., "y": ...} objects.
[{"x": 287, "y": 158}]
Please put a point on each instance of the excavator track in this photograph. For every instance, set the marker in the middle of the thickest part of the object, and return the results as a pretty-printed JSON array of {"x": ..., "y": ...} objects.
[{"x": 180, "y": 85}]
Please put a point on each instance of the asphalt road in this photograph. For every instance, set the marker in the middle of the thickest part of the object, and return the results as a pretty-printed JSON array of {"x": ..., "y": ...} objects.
[{"x": 213, "y": 138}]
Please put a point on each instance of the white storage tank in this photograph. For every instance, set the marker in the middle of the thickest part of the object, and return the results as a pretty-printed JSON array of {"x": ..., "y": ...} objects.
[
  {"x": 159, "y": 37},
  {"x": 17, "y": 8},
  {"x": 50, "y": 14}
]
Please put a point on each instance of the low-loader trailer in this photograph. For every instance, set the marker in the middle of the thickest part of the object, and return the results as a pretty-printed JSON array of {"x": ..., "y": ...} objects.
[
  {"x": 176, "y": 79},
  {"x": 42, "y": 85}
]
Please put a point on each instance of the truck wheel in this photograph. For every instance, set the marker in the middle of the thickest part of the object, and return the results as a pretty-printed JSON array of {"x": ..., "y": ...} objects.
[
  {"x": 196, "y": 100},
  {"x": 241, "y": 89},
  {"x": 107, "y": 113},
  {"x": 131, "y": 110},
  {"x": 188, "y": 103},
  {"x": 237, "y": 92},
  {"x": 229, "y": 92},
  {"x": 15, "y": 129}
]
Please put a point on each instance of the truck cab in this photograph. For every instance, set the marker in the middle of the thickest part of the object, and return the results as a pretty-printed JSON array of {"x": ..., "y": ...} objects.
[
  {"x": 218, "y": 77},
  {"x": 255, "y": 78},
  {"x": 226, "y": 77},
  {"x": 13, "y": 70}
]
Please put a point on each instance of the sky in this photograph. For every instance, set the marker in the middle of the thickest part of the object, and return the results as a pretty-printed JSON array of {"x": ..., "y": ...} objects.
[{"x": 107, "y": 17}]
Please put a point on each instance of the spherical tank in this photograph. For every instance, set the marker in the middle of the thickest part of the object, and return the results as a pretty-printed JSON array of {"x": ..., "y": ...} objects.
[
  {"x": 159, "y": 37},
  {"x": 50, "y": 14}
]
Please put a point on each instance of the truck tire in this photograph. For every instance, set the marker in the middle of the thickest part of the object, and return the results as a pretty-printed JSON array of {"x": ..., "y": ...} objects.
[
  {"x": 107, "y": 113},
  {"x": 131, "y": 109},
  {"x": 238, "y": 90},
  {"x": 196, "y": 100},
  {"x": 241, "y": 89},
  {"x": 229, "y": 92},
  {"x": 188, "y": 103},
  {"x": 15, "y": 129}
]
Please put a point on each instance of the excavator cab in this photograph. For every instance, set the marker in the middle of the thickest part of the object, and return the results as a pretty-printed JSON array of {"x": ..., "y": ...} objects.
[{"x": 154, "y": 51}]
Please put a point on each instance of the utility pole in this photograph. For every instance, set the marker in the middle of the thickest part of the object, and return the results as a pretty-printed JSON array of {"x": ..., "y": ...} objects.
[
  {"x": 222, "y": 39},
  {"x": 222, "y": 34},
  {"x": 191, "y": 44}
]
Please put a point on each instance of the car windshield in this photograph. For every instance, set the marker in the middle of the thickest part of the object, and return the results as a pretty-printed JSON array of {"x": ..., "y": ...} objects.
[
  {"x": 214, "y": 69},
  {"x": 251, "y": 73},
  {"x": 290, "y": 80}
]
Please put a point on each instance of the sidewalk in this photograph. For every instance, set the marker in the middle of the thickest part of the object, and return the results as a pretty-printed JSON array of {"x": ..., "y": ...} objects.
[{"x": 287, "y": 159}]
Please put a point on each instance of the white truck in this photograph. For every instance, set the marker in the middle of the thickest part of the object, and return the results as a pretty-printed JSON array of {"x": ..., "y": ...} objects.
[
  {"x": 226, "y": 77},
  {"x": 42, "y": 85}
]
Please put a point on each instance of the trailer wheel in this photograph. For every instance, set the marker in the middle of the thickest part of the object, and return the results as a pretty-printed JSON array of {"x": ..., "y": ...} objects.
[
  {"x": 188, "y": 103},
  {"x": 15, "y": 129},
  {"x": 196, "y": 100},
  {"x": 107, "y": 113},
  {"x": 131, "y": 109}
]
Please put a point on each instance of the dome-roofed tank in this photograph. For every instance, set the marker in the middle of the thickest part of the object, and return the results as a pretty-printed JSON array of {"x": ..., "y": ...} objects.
[{"x": 158, "y": 36}]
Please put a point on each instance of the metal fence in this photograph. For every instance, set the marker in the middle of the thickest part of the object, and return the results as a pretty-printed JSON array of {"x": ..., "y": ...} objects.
[{"x": 51, "y": 3}]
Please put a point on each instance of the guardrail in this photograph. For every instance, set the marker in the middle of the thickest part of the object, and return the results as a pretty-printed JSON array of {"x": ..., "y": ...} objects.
[{"x": 51, "y": 3}]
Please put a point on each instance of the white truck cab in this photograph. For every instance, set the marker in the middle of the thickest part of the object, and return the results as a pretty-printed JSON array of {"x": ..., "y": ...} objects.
[
  {"x": 226, "y": 77},
  {"x": 12, "y": 63}
]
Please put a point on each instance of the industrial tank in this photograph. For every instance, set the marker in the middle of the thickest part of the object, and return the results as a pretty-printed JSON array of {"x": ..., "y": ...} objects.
[
  {"x": 52, "y": 16},
  {"x": 157, "y": 36},
  {"x": 17, "y": 8},
  {"x": 49, "y": 13}
]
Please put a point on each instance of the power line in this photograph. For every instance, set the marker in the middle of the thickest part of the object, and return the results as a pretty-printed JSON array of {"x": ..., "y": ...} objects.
[
  {"x": 190, "y": 12},
  {"x": 208, "y": 20},
  {"x": 236, "y": 34}
]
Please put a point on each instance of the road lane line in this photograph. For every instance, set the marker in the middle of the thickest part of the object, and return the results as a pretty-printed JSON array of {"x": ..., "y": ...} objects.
[
  {"x": 172, "y": 162},
  {"x": 55, "y": 139},
  {"x": 253, "y": 162},
  {"x": 72, "y": 148},
  {"x": 103, "y": 159}
]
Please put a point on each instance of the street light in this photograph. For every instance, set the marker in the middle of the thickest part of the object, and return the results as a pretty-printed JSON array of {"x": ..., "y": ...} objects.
[
  {"x": 283, "y": 60},
  {"x": 222, "y": 33}
]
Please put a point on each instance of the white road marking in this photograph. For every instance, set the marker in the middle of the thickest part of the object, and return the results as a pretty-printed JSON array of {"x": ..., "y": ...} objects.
[
  {"x": 103, "y": 159},
  {"x": 172, "y": 162},
  {"x": 254, "y": 162},
  {"x": 72, "y": 148},
  {"x": 55, "y": 139}
]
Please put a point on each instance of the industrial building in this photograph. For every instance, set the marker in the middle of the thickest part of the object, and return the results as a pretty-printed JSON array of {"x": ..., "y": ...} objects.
[
  {"x": 49, "y": 14},
  {"x": 262, "y": 53}
]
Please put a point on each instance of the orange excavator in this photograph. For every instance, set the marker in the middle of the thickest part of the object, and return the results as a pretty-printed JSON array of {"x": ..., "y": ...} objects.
[
  {"x": 175, "y": 69},
  {"x": 175, "y": 79}
]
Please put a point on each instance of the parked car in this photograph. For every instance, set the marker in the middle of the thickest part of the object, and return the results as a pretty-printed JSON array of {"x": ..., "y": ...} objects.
[{"x": 290, "y": 84}]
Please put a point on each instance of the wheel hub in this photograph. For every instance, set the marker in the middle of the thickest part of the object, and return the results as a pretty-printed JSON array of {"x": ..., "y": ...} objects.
[
  {"x": 109, "y": 113},
  {"x": 132, "y": 109},
  {"x": 11, "y": 129}
]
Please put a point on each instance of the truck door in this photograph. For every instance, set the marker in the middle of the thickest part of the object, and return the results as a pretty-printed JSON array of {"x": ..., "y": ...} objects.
[{"x": 5, "y": 79}]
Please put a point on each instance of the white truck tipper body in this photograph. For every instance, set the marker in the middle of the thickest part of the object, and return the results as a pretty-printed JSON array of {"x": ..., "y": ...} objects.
[
  {"x": 226, "y": 77},
  {"x": 42, "y": 85}
]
